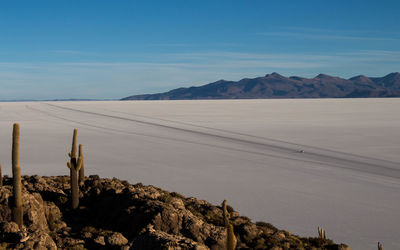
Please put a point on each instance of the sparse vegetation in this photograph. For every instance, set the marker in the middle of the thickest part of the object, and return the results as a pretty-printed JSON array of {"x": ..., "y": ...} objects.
[{"x": 143, "y": 214}]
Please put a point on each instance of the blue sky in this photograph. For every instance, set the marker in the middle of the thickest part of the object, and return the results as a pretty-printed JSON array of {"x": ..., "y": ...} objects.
[{"x": 112, "y": 49}]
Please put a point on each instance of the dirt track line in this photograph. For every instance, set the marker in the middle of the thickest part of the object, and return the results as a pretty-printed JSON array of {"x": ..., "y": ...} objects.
[
  {"x": 257, "y": 137},
  {"x": 362, "y": 164},
  {"x": 171, "y": 139}
]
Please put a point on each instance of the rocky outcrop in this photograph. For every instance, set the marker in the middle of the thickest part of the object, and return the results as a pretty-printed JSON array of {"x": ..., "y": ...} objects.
[{"x": 114, "y": 214}]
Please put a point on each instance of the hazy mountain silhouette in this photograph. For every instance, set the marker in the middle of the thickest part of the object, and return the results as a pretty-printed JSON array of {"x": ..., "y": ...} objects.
[{"x": 277, "y": 86}]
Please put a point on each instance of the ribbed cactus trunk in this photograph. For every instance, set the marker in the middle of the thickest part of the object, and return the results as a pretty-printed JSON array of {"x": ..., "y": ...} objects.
[
  {"x": 231, "y": 244},
  {"x": 230, "y": 238},
  {"x": 74, "y": 189},
  {"x": 225, "y": 213},
  {"x": 17, "y": 211},
  {"x": 74, "y": 165},
  {"x": 82, "y": 170},
  {"x": 1, "y": 177}
]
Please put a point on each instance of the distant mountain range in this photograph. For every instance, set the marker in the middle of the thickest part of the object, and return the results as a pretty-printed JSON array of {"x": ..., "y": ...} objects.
[{"x": 277, "y": 86}]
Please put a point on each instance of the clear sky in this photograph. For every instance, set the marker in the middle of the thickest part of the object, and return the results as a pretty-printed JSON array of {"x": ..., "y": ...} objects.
[{"x": 113, "y": 49}]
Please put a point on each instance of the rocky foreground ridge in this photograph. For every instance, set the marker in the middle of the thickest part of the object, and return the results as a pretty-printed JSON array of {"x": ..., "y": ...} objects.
[{"x": 114, "y": 214}]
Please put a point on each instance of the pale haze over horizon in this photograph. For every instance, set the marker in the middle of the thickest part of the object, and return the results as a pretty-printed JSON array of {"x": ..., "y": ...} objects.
[{"x": 113, "y": 49}]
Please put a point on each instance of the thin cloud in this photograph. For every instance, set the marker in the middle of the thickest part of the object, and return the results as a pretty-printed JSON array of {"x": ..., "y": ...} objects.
[
  {"x": 67, "y": 52},
  {"x": 48, "y": 80},
  {"x": 191, "y": 44},
  {"x": 299, "y": 35},
  {"x": 335, "y": 35}
]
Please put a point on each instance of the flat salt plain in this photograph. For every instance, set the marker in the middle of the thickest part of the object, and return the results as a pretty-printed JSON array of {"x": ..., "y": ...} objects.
[{"x": 245, "y": 151}]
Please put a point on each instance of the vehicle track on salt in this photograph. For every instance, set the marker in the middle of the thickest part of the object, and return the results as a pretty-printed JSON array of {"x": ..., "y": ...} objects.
[
  {"x": 311, "y": 154},
  {"x": 108, "y": 129}
]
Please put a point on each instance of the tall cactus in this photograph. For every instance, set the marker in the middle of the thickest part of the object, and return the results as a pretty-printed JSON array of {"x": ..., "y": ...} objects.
[
  {"x": 17, "y": 211},
  {"x": 231, "y": 238},
  {"x": 82, "y": 170},
  {"x": 321, "y": 233},
  {"x": 74, "y": 165},
  {"x": 1, "y": 177}
]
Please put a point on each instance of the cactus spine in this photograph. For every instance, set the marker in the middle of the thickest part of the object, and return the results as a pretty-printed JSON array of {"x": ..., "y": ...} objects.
[
  {"x": 17, "y": 211},
  {"x": 82, "y": 170},
  {"x": 74, "y": 165},
  {"x": 231, "y": 238},
  {"x": 379, "y": 246},
  {"x": 321, "y": 233}
]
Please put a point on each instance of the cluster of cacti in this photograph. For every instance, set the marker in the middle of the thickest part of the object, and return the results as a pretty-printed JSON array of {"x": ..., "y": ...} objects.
[
  {"x": 75, "y": 164},
  {"x": 321, "y": 233},
  {"x": 379, "y": 246},
  {"x": 231, "y": 238},
  {"x": 17, "y": 212}
]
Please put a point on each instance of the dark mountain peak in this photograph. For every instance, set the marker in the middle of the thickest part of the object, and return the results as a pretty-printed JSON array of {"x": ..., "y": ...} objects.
[
  {"x": 275, "y": 85},
  {"x": 323, "y": 76},
  {"x": 217, "y": 82},
  {"x": 361, "y": 78},
  {"x": 394, "y": 75},
  {"x": 391, "y": 80},
  {"x": 297, "y": 78},
  {"x": 358, "y": 77},
  {"x": 274, "y": 75}
]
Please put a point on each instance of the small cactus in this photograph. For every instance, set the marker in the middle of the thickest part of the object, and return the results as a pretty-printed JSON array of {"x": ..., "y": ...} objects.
[
  {"x": 74, "y": 165},
  {"x": 225, "y": 213},
  {"x": 231, "y": 238},
  {"x": 17, "y": 211},
  {"x": 321, "y": 233},
  {"x": 379, "y": 246}
]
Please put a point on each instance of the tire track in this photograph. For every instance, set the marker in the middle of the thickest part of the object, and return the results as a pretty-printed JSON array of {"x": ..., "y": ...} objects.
[
  {"x": 327, "y": 158},
  {"x": 255, "y": 137},
  {"x": 107, "y": 129}
]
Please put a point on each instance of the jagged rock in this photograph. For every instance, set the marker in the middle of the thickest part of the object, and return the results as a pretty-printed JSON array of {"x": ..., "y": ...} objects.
[
  {"x": 156, "y": 239},
  {"x": 114, "y": 214},
  {"x": 53, "y": 216},
  {"x": 87, "y": 235},
  {"x": 100, "y": 240},
  {"x": 279, "y": 236},
  {"x": 343, "y": 247},
  {"x": 249, "y": 230},
  {"x": 40, "y": 240},
  {"x": 10, "y": 232},
  {"x": 34, "y": 211},
  {"x": 117, "y": 239},
  {"x": 5, "y": 193}
]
